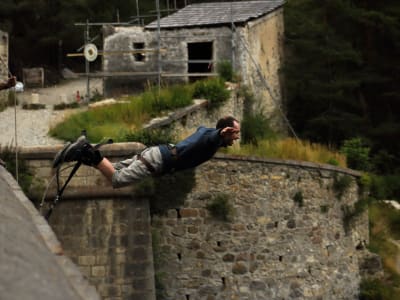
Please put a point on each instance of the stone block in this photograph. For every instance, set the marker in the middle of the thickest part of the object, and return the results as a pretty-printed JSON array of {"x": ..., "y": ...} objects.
[
  {"x": 98, "y": 271},
  {"x": 87, "y": 260}
]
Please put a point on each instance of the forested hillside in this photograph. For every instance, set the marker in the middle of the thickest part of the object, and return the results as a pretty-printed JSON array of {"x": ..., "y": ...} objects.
[{"x": 342, "y": 75}]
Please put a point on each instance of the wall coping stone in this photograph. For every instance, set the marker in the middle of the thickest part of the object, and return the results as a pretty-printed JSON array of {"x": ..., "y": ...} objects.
[
  {"x": 124, "y": 149},
  {"x": 80, "y": 285}
]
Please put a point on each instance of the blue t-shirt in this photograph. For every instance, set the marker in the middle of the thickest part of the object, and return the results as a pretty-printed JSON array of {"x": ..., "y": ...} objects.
[{"x": 194, "y": 150}]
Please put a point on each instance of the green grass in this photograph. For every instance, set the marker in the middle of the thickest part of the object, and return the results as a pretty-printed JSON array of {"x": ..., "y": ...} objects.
[
  {"x": 289, "y": 148},
  {"x": 119, "y": 120},
  {"x": 384, "y": 227}
]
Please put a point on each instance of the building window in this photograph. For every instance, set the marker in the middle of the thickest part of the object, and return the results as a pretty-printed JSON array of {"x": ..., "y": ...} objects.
[
  {"x": 139, "y": 56},
  {"x": 200, "y": 58}
]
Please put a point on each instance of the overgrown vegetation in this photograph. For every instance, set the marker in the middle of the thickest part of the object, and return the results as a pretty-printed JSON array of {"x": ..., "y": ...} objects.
[
  {"x": 25, "y": 176},
  {"x": 119, "y": 121},
  {"x": 220, "y": 207},
  {"x": 384, "y": 229},
  {"x": 298, "y": 198},
  {"x": 213, "y": 90},
  {"x": 341, "y": 184},
  {"x": 290, "y": 148}
]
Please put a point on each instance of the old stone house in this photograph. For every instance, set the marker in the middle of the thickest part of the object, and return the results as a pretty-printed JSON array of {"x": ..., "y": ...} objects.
[{"x": 193, "y": 40}]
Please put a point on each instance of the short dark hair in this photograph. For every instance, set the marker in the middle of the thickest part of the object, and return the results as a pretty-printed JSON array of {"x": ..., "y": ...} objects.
[{"x": 226, "y": 121}]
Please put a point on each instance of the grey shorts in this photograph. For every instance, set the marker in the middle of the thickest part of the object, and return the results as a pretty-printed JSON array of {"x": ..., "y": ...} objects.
[{"x": 132, "y": 170}]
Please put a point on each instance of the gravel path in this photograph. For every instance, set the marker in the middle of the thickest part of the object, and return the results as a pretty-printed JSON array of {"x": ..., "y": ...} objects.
[{"x": 33, "y": 125}]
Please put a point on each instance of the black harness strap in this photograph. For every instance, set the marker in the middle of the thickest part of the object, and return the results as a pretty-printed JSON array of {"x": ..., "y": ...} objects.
[{"x": 61, "y": 190}]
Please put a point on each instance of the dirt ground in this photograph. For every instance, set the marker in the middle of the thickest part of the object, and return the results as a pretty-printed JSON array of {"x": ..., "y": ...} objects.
[
  {"x": 66, "y": 91},
  {"x": 21, "y": 127}
]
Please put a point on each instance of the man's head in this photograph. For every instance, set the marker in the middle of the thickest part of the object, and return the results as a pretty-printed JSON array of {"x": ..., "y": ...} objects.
[{"x": 230, "y": 129}]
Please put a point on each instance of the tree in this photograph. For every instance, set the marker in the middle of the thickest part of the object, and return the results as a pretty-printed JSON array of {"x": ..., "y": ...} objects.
[{"x": 342, "y": 71}]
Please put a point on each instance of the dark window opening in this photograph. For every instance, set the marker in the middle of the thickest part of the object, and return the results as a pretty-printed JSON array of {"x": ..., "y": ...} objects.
[
  {"x": 200, "y": 58},
  {"x": 139, "y": 56}
]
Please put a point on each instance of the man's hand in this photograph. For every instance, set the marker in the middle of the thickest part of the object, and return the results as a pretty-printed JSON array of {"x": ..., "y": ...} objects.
[
  {"x": 12, "y": 81},
  {"x": 228, "y": 131}
]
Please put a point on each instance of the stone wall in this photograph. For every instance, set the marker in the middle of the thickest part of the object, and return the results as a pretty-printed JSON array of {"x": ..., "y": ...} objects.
[
  {"x": 277, "y": 245},
  {"x": 274, "y": 247},
  {"x": 3, "y": 68},
  {"x": 105, "y": 232},
  {"x": 260, "y": 58}
]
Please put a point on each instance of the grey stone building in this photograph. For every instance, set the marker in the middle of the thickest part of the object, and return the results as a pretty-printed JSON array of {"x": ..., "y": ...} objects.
[{"x": 193, "y": 40}]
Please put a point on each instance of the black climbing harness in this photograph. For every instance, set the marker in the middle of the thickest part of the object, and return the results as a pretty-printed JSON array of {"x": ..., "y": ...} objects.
[{"x": 60, "y": 189}]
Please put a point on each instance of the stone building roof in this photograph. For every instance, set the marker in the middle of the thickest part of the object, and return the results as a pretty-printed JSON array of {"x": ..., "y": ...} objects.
[{"x": 211, "y": 14}]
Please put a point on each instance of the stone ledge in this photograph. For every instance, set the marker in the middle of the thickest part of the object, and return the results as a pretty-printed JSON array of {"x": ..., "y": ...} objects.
[
  {"x": 91, "y": 192},
  {"x": 289, "y": 162},
  {"x": 125, "y": 149},
  {"x": 72, "y": 273}
]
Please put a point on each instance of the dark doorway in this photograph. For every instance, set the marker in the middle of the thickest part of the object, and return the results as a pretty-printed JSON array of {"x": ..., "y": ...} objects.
[{"x": 203, "y": 53}]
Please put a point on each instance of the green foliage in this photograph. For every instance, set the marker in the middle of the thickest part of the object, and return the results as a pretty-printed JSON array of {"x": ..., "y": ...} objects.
[
  {"x": 117, "y": 120},
  {"x": 213, "y": 90},
  {"x": 298, "y": 198},
  {"x": 375, "y": 289},
  {"x": 341, "y": 184},
  {"x": 150, "y": 137},
  {"x": 225, "y": 70},
  {"x": 33, "y": 106},
  {"x": 62, "y": 106},
  {"x": 25, "y": 176},
  {"x": 220, "y": 207},
  {"x": 350, "y": 213},
  {"x": 385, "y": 187},
  {"x": 254, "y": 128},
  {"x": 384, "y": 220},
  {"x": 357, "y": 154},
  {"x": 340, "y": 57},
  {"x": 365, "y": 182}
]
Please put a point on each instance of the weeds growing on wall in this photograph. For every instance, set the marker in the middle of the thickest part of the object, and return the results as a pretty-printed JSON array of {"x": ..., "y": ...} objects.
[
  {"x": 341, "y": 184},
  {"x": 298, "y": 198},
  {"x": 225, "y": 70},
  {"x": 220, "y": 207},
  {"x": 213, "y": 90}
]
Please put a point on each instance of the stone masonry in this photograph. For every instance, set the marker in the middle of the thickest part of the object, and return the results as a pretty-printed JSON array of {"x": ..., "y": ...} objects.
[{"x": 274, "y": 246}]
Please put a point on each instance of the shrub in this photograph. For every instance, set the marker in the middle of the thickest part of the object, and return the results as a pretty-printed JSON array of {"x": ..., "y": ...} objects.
[
  {"x": 298, "y": 198},
  {"x": 357, "y": 154},
  {"x": 25, "y": 176},
  {"x": 213, "y": 90},
  {"x": 225, "y": 70},
  {"x": 375, "y": 289},
  {"x": 255, "y": 127},
  {"x": 341, "y": 185},
  {"x": 33, "y": 106},
  {"x": 220, "y": 208},
  {"x": 62, "y": 106}
]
